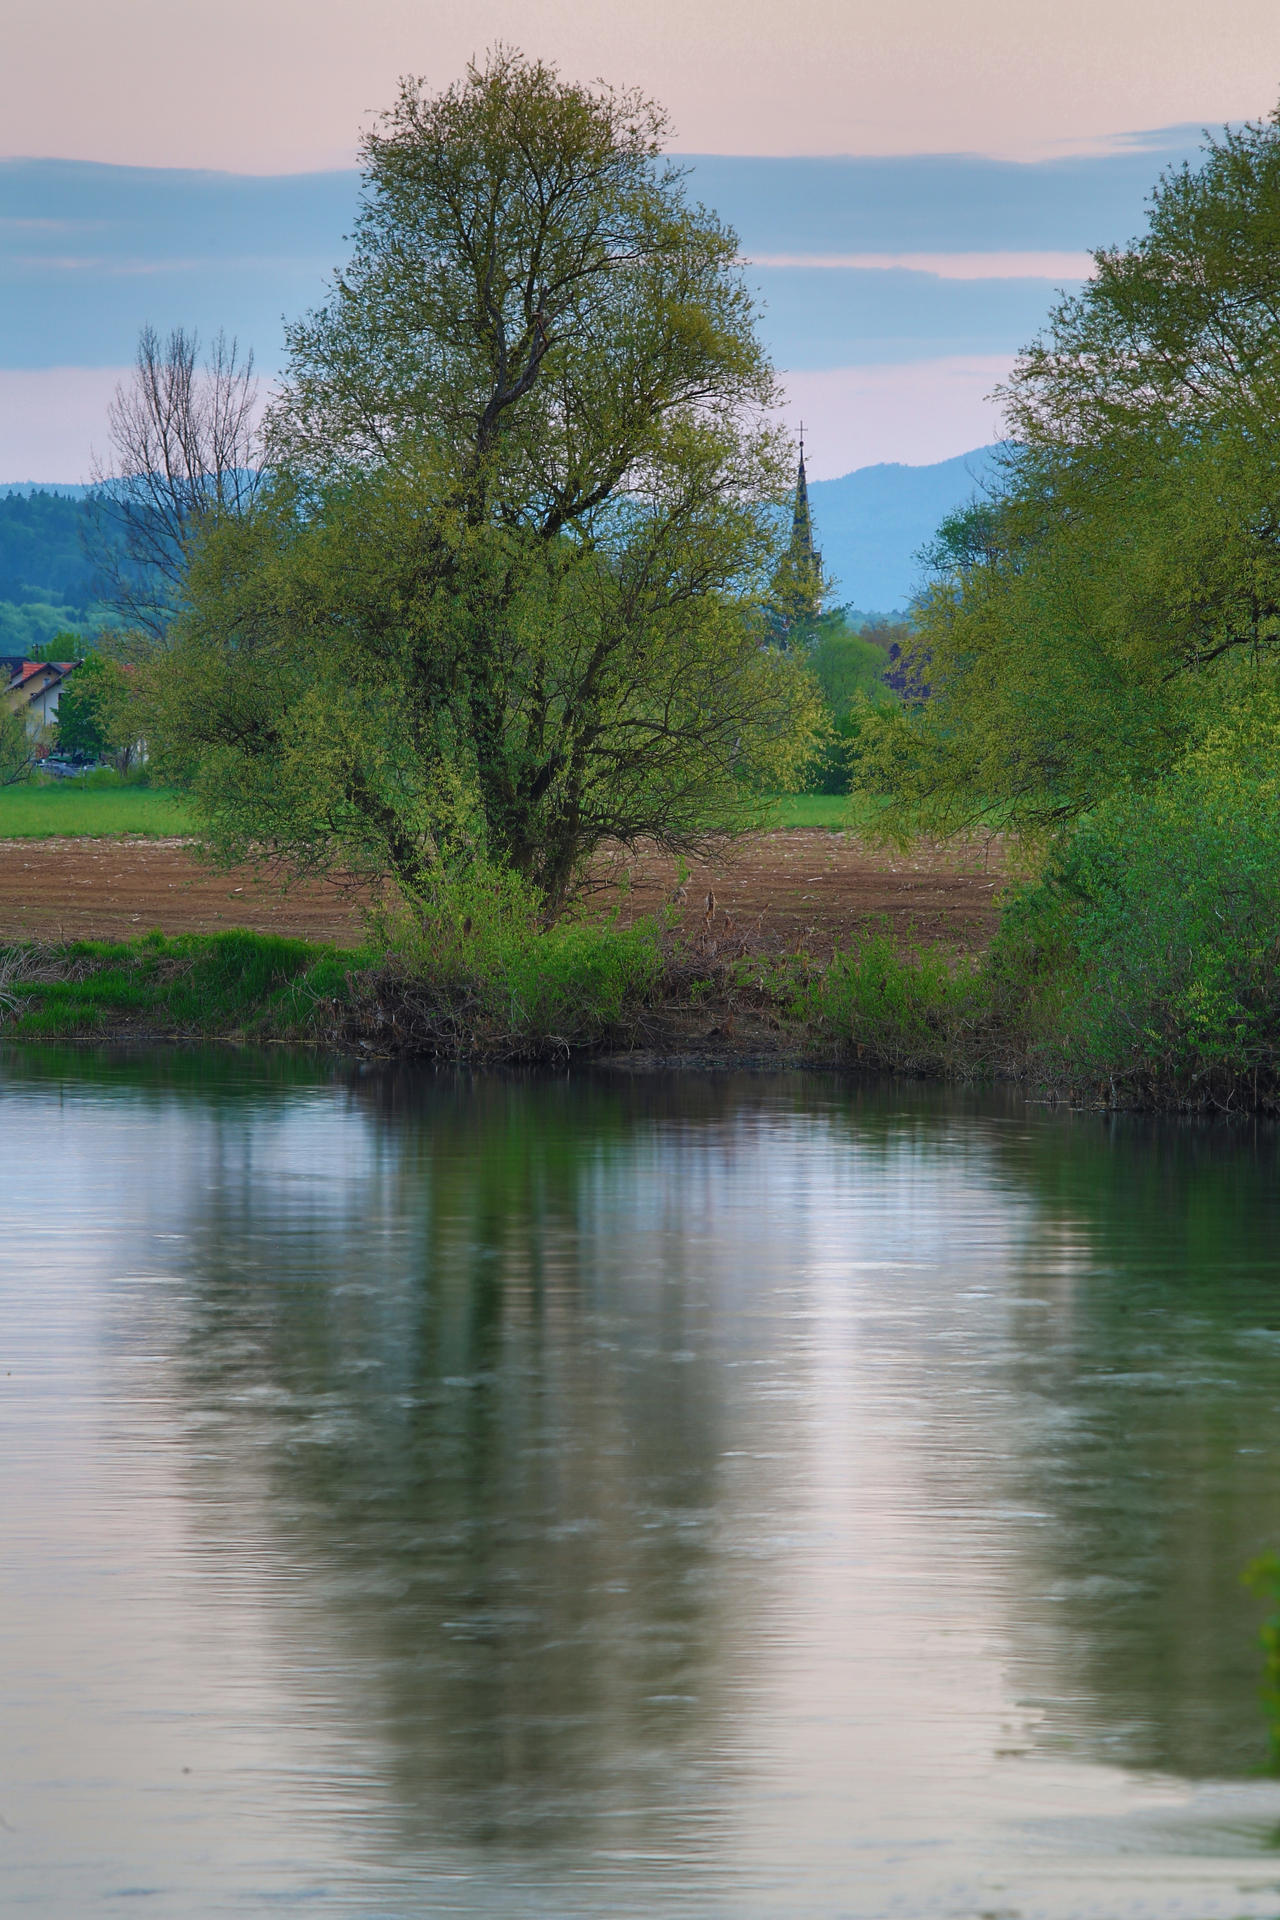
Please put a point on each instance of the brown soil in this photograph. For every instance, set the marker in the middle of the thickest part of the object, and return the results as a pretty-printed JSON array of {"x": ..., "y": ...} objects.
[
  {"x": 804, "y": 888},
  {"x": 812, "y": 889}
]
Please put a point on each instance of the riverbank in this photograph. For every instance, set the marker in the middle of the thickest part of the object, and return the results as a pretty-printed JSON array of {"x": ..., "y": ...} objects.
[
  {"x": 721, "y": 961},
  {"x": 634, "y": 998},
  {"x": 676, "y": 1003},
  {"x": 804, "y": 948},
  {"x": 640, "y": 996}
]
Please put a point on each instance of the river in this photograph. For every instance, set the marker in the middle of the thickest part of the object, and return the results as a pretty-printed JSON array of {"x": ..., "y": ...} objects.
[{"x": 698, "y": 1498}]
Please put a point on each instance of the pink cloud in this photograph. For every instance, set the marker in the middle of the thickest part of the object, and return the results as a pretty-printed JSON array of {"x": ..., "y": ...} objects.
[{"x": 286, "y": 84}]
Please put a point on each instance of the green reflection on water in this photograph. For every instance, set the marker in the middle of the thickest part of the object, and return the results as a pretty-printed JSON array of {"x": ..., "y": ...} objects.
[
  {"x": 1164, "y": 1476},
  {"x": 481, "y": 1408}
]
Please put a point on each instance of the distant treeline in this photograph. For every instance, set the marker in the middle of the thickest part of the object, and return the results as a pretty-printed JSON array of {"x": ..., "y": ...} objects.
[{"x": 48, "y": 576}]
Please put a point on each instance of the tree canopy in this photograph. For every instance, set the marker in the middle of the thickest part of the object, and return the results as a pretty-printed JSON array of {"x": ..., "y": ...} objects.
[
  {"x": 502, "y": 599},
  {"x": 1089, "y": 619}
]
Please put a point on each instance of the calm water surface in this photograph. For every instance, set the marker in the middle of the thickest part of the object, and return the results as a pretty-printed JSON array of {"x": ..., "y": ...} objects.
[{"x": 759, "y": 1499}]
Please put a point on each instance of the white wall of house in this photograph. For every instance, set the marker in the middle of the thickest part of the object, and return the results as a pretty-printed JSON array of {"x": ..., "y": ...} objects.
[{"x": 42, "y": 710}]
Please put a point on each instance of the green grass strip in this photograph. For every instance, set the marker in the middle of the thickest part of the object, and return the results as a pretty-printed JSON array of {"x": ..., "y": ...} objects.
[
  {"x": 219, "y": 984},
  {"x": 72, "y": 811}
]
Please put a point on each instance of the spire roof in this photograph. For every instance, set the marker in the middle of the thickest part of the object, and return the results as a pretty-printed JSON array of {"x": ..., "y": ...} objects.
[
  {"x": 797, "y": 589},
  {"x": 802, "y": 547}
]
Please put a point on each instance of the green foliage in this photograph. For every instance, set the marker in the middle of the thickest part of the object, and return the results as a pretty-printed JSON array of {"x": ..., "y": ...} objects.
[
  {"x": 530, "y": 297},
  {"x": 335, "y": 699},
  {"x": 849, "y": 665},
  {"x": 82, "y": 722},
  {"x": 497, "y": 979},
  {"x": 97, "y": 710},
  {"x": 846, "y": 662},
  {"x": 222, "y": 983},
  {"x": 904, "y": 1012},
  {"x": 1084, "y": 618},
  {"x": 1148, "y": 951},
  {"x": 1262, "y": 1576},
  {"x": 499, "y": 602},
  {"x": 969, "y": 537},
  {"x": 66, "y": 644}
]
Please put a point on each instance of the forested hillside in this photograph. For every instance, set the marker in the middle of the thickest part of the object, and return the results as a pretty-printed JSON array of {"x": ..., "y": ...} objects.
[{"x": 47, "y": 578}]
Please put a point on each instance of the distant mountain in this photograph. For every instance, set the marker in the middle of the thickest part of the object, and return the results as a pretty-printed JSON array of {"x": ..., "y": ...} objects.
[{"x": 870, "y": 523}]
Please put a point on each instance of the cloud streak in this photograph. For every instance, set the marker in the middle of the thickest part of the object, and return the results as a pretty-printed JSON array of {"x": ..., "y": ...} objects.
[
  {"x": 895, "y": 291},
  {"x": 1052, "y": 266}
]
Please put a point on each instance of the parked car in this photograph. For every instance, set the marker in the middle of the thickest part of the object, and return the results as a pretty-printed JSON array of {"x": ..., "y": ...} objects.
[{"x": 69, "y": 766}]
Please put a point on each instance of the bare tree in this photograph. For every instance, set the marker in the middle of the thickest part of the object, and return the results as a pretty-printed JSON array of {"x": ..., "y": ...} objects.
[{"x": 184, "y": 451}]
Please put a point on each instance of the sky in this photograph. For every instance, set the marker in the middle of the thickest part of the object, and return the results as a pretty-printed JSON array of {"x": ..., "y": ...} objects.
[{"x": 912, "y": 183}]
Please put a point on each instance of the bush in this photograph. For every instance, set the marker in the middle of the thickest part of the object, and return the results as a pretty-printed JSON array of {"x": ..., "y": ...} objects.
[
  {"x": 478, "y": 970},
  {"x": 908, "y": 1013},
  {"x": 1148, "y": 952},
  {"x": 849, "y": 667}
]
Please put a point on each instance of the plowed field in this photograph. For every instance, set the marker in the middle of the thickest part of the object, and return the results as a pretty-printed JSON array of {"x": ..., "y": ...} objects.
[{"x": 797, "y": 888}]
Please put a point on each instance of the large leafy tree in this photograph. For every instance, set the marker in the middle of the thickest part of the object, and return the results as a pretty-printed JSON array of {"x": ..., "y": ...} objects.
[
  {"x": 1089, "y": 620},
  {"x": 500, "y": 601}
]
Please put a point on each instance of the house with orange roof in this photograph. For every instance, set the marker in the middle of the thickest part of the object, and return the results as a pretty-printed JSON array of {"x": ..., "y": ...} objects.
[{"x": 31, "y": 688}]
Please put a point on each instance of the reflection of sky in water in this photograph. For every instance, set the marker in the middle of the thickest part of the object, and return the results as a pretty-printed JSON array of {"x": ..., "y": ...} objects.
[{"x": 756, "y": 1498}]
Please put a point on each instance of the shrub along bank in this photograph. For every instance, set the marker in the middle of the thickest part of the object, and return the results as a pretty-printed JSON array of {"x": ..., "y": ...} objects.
[
  {"x": 497, "y": 991},
  {"x": 498, "y": 996},
  {"x": 586, "y": 989}
]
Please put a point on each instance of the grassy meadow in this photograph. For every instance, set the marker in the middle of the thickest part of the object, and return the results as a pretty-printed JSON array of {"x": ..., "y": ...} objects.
[
  {"x": 72, "y": 810},
  {"x": 833, "y": 811}
]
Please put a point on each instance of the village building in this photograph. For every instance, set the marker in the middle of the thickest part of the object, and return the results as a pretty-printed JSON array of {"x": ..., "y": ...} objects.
[{"x": 32, "y": 687}]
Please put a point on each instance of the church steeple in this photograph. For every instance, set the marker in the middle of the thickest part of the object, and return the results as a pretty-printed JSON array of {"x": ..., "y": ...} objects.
[
  {"x": 796, "y": 595},
  {"x": 804, "y": 555}
]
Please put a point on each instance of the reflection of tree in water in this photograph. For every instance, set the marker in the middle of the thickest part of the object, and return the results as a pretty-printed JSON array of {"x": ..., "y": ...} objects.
[
  {"x": 1155, "y": 1450},
  {"x": 462, "y": 1410},
  {"x": 488, "y": 1442}
]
